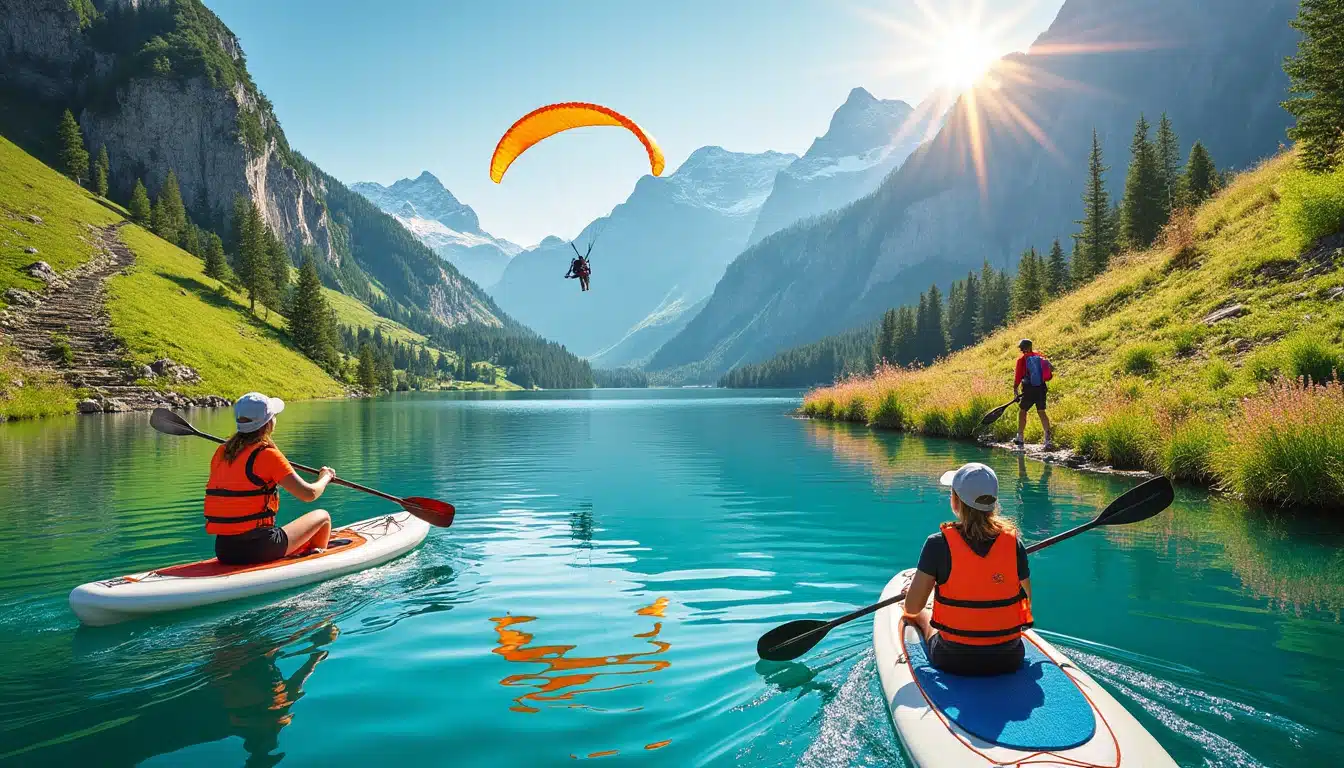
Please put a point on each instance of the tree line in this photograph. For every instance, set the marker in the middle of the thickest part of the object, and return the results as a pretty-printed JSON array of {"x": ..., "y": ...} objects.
[
  {"x": 620, "y": 378},
  {"x": 1157, "y": 185}
]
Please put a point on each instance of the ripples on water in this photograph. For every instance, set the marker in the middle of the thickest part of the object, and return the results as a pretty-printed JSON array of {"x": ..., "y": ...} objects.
[{"x": 614, "y": 559}]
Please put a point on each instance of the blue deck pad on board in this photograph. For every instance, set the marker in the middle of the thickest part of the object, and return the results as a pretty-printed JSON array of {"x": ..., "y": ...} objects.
[{"x": 1036, "y": 708}]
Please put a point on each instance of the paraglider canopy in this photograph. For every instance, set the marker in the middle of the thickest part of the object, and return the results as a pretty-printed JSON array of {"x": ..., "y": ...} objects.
[{"x": 544, "y": 122}]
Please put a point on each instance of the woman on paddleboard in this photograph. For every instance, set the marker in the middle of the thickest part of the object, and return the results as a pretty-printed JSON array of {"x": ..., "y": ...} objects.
[
  {"x": 241, "y": 497},
  {"x": 976, "y": 568}
]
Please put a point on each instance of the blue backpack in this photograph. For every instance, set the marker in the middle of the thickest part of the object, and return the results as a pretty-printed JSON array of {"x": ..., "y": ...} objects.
[{"x": 1038, "y": 370}]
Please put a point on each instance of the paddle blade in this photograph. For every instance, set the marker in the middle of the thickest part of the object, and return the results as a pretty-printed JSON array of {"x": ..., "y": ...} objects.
[
  {"x": 1139, "y": 503},
  {"x": 993, "y": 415},
  {"x": 432, "y": 511},
  {"x": 170, "y": 423},
  {"x": 789, "y": 641}
]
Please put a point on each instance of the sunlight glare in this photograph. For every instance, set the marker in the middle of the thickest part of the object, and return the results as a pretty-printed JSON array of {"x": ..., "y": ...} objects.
[{"x": 962, "y": 56}]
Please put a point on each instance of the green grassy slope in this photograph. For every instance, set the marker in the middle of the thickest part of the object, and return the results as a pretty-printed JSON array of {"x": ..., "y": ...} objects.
[
  {"x": 166, "y": 306},
  {"x": 1143, "y": 381}
]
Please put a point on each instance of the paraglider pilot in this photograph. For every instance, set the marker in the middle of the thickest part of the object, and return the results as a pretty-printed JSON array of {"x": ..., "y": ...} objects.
[{"x": 579, "y": 267}]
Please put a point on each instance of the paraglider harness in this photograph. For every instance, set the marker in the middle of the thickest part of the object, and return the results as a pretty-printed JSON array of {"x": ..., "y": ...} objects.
[{"x": 580, "y": 267}]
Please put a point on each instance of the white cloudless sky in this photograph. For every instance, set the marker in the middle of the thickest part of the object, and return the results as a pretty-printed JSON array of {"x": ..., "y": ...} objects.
[{"x": 377, "y": 91}]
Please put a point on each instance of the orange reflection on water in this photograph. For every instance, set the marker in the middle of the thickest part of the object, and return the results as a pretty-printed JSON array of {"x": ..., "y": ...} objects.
[{"x": 565, "y": 677}]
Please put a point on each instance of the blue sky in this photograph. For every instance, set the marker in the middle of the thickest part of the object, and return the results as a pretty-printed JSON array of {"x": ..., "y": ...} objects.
[{"x": 376, "y": 91}]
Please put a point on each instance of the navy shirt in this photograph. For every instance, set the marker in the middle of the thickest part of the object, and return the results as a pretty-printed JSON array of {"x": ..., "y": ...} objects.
[{"x": 935, "y": 558}]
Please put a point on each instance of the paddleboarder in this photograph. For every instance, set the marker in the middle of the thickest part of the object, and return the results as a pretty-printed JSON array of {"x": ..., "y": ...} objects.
[{"x": 242, "y": 496}]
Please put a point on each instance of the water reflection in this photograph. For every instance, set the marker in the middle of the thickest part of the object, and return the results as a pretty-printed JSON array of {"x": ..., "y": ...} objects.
[
  {"x": 240, "y": 690},
  {"x": 515, "y": 645}
]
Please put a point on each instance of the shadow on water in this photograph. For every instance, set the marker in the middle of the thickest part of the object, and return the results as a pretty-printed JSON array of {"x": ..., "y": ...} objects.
[{"x": 223, "y": 682}]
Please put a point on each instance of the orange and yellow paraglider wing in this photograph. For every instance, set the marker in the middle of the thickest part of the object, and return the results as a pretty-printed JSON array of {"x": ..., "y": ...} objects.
[{"x": 542, "y": 123}]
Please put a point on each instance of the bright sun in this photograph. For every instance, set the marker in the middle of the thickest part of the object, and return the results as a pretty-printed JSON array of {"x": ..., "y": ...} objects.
[{"x": 961, "y": 56}]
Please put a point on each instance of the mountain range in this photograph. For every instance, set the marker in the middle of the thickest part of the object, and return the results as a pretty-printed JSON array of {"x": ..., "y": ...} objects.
[
  {"x": 867, "y": 139},
  {"x": 654, "y": 257},
  {"x": 1006, "y": 171},
  {"x": 445, "y": 224}
]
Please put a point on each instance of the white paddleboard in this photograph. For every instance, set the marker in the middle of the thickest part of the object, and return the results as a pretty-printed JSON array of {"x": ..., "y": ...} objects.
[
  {"x": 932, "y": 740},
  {"x": 372, "y": 542}
]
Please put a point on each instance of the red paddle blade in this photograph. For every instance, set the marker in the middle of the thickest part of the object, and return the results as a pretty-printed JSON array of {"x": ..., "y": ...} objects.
[{"x": 432, "y": 511}]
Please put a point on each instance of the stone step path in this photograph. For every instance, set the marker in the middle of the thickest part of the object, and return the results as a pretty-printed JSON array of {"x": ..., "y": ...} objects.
[{"x": 74, "y": 307}]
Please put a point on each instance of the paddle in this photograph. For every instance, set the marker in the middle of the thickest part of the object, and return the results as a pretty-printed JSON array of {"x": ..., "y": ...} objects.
[
  {"x": 791, "y": 640},
  {"x": 994, "y": 415},
  {"x": 432, "y": 511}
]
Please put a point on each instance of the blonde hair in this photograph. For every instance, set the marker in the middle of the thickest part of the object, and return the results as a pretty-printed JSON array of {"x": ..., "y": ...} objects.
[
  {"x": 241, "y": 441},
  {"x": 977, "y": 525}
]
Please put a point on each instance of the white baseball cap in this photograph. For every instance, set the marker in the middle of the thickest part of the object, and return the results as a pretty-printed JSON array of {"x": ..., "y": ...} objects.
[
  {"x": 255, "y": 410},
  {"x": 975, "y": 484}
]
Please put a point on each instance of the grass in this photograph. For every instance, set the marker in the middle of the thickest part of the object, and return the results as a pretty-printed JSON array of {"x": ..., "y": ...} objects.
[
  {"x": 1141, "y": 381},
  {"x": 63, "y": 239},
  {"x": 30, "y": 394},
  {"x": 352, "y": 313},
  {"x": 212, "y": 331}
]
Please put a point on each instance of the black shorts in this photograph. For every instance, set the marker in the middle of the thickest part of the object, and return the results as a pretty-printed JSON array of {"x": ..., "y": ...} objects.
[
  {"x": 1032, "y": 397},
  {"x": 259, "y": 545},
  {"x": 975, "y": 660}
]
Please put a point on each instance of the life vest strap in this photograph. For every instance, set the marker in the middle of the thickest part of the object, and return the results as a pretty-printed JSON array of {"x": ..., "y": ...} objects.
[
  {"x": 236, "y": 494},
  {"x": 1014, "y": 632},
  {"x": 1004, "y": 603},
  {"x": 264, "y": 515}
]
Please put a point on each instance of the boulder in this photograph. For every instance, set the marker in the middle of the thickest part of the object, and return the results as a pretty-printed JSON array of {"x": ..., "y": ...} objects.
[
  {"x": 145, "y": 372},
  {"x": 30, "y": 250},
  {"x": 1226, "y": 313},
  {"x": 1334, "y": 294},
  {"x": 34, "y": 218},
  {"x": 42, "y": 271},
  {"x": 20, "y": 298},
  {"x": 88, "y": 406}
]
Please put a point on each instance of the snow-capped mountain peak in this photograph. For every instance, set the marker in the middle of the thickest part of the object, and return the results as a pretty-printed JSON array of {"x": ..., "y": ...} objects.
[{"x": 447, "y": 225}]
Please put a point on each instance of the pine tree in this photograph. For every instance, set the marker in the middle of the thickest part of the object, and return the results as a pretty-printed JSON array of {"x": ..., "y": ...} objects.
[
  {"x": 309, "y": 315},
  {"x": 445, "y": 366},
  {"x": 215, "y": 265},
  {"x": 1094, "y": 244},
  {"x": 191, "y": 240},
  {"x": 1168, "y": 149},
  {"x": 74, "y": 157},
  {"x": 250, "y": 260},
  {"x": 139, "y": 205},
  {"x": 1056, "y": 272},
  {"x": 368, "y": 370},
  {"x": 1317, "y": 75},
  {"x": 997, "y": 301},
  {"x": 1141, "y": 210},
  {"x": 101, "y": 167},
  {"x": 278, "y": 266},
  {"x": 956, "y": 306},
  {"x": 885, "y": 344},
  {"x": 387, "y": 371},
  {"x": 1201, "y": 177},
  {"x": 1029, "y": 288},
  {"x": 906, "y": 340},
  {"x": 169, "y": 217},
  {"x": 931, "y": 338},
  {"x": 961, "y": 323}
]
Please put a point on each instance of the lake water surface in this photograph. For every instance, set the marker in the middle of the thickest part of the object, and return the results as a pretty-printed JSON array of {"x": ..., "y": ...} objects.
[{"x": 615, "y": 556}]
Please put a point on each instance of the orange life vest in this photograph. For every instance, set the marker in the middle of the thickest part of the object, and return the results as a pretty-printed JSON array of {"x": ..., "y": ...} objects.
[
  {"x": 236, "y": 500},
  {"x": 983, "y": 602}
]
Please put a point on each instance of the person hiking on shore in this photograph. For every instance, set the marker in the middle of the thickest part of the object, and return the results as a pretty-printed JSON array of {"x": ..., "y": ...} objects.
[
  {"x": 241, "y": 496},
  {"x": 1029, "y": 383},
  {"x": 976, "y": 568}
]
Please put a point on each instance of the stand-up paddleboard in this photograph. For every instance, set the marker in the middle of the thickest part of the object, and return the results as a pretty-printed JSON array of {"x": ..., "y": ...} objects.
[
  {"x": 368, "y": 543},
  {"x": 1049, "y": 714}
]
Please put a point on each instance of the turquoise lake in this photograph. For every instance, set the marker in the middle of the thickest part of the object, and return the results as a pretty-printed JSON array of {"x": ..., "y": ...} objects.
[{"x": 615, "y": 557}]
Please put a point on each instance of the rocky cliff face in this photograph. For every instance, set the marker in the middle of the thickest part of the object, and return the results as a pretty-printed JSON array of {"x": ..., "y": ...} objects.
[
  {"x": 160, "y": 119},
  {"x": 1214, "y": 66}
]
